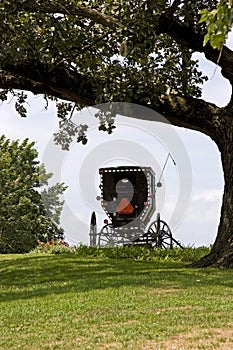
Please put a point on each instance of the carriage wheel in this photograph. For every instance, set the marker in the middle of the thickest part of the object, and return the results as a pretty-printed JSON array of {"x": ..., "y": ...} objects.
[
  {"x": 161, "y": 234},
  {"x": 110, "y": 236},
  {"x": 107, "y": 236}
]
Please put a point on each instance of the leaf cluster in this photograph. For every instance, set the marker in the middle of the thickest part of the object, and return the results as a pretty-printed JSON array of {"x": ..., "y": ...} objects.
[
  {"x": 26, "y": 215},
  {"x": 114, "y": 45},
  {"x": 130, "y": 54},
  {"x": 219, "y": 21}
]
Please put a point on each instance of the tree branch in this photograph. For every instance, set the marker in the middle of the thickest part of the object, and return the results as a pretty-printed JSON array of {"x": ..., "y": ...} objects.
[
  {"x": 59, "y": 81},
  {"x": 174, "y": 6},
  {"x": 187, "y": 37},
  {"x": 187, "y": 112},
  {"x": 65, "y": 83},
  {"x": 179, "y": 111},
  {"x": 182, "y": 34},
  {"x": 53, "y": 7},
  {"x": 192, "y": 113}
]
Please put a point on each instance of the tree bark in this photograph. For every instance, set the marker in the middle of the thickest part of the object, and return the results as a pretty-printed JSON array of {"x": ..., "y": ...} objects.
[
  {"x": 218, "y": 124},
  {"x": 221, "y": 131},
  {"x": 221, "y": 254},
  {"x": 58, "y": 81}
]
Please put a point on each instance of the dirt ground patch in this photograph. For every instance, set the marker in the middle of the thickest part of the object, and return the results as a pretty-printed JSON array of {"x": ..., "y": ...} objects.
[{"x": 209, "y": 339}]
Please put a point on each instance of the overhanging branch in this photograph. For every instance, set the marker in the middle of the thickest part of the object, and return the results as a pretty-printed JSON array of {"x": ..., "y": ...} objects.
[
  {"x": 13, "y": 82},
  {"x": 181, "y": 111},
  {"x": 182, "y": 34},
  {"x": 192, "y": 113},
  {"x": 67, "y": 8},
  {"x": 39, "y": 78},
  {"x": 57, "y": 81},
  {"x": 187, "y": 37}
]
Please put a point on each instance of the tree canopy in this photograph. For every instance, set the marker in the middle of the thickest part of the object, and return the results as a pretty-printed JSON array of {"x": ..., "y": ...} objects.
[
  {"x": 26, "y": 215},
  {"x": 90, "y": 52},
  {"x": 219, "y": 22}
]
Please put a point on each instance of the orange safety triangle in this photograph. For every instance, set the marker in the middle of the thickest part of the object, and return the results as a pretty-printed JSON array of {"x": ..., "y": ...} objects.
[{"x": 125, "y": 207}]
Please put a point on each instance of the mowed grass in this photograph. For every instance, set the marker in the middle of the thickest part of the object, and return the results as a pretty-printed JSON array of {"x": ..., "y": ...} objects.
[{"x": 67, "y": 302}]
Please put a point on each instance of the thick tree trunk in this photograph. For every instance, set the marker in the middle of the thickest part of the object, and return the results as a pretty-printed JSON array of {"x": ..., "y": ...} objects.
[{"x": 221, "y": 254}]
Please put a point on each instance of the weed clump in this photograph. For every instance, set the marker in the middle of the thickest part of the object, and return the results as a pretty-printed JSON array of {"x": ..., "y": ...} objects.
[{"x": 187, "y": 254}]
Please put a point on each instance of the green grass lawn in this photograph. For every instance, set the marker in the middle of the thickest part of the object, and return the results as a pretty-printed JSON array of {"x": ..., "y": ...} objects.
[{"x": 67, "y": 302}]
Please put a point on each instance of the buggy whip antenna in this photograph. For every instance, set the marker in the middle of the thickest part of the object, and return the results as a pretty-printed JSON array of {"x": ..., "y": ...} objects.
[{"x": 159, "y": 184}]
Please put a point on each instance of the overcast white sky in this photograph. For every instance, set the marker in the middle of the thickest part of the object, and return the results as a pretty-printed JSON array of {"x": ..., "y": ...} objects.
[{"x": 197, "y": 220}]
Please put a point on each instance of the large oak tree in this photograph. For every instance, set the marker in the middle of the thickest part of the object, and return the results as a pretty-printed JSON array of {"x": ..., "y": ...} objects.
[{"x": 90, "y": 52}]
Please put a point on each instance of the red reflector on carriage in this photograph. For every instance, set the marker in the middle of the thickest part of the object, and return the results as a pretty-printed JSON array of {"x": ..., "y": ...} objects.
[
  {"x": 125, "y": 207},
  {"x": 146, "y": 203}
]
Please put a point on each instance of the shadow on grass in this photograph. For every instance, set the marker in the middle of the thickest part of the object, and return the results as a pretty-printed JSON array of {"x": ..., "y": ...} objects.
[{"x": 27, "y": 276}]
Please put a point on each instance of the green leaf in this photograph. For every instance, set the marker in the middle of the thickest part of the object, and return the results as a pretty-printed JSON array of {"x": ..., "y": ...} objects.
[{"x": 206, "y": 39}]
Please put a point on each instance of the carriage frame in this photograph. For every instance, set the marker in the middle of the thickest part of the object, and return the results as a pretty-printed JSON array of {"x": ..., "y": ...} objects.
[{"x": 128, "y": 199}]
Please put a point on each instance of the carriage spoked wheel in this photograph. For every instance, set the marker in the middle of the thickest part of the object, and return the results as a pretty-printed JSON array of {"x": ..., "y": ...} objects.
[
  {"x": 108, "y": 236},
  {"x": 161, "y": 235}
]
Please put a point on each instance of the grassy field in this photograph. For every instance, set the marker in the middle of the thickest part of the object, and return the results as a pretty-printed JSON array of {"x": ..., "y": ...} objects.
[{"x": 67, "y": 302}]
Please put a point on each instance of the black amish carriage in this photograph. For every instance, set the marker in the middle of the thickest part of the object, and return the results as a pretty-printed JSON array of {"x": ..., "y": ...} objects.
[{"x": 128, "y": 198}]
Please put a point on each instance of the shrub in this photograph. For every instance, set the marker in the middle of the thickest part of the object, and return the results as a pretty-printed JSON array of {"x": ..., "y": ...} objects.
[
  {"x": 188, "y": 254},
  {"x": 52, "y": 247}
]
